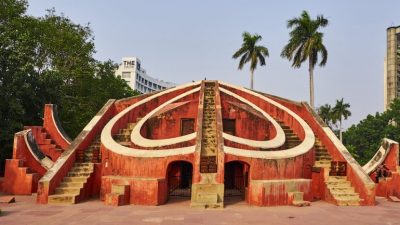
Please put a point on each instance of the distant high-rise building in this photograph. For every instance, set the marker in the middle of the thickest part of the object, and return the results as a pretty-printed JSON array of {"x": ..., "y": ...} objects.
[
  {"x": 131, "y": 70},
  {"x": 392, "y": 66}
]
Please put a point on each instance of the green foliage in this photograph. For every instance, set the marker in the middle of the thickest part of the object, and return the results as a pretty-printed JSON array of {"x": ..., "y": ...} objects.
[
  {"x": 341, "y": 111},
  {"x": 251, "y": 52},
  {"x": 326, "y": 114},
  {"x": 306, "y": 43},
  {"x": 49, "y": 60},
  {"x": 365, "y": 138}
]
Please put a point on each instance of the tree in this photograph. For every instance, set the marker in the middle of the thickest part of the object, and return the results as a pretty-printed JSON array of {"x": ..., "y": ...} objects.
[
  {"x": 49, "y": 60},
  {"x": 251, "y": 52},
  {"x": 306, "y": 43},
  {"x": 364, "y": 138},
  {"x": 340, "y": 112},
  {"x": 326, "y": 114}
]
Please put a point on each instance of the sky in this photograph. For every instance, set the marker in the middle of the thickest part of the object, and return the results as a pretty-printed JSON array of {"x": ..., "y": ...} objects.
[{"x": 181, "y": 41}]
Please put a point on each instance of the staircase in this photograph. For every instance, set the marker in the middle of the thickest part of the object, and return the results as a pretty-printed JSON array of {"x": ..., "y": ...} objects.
[
  {"x": 124, "y": 135},
  {"x": 342, "y": 191},
  {"x": 208, "y": 160},
  {"x": 339, "y": 187},
  {"x": 92, "y": 153},
  {"x": 291, "y": 138},
  {"x": 20, "y": 174},
  {"x": 208, "y": 193},
  {"x": 47, "y": 145},
  {"x": 72, "y": 188},
  {"x": 322, "y": 157}
]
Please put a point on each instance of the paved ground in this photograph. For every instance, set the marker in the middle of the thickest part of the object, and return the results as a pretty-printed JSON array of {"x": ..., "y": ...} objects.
[{"x": 94, "y": 212}]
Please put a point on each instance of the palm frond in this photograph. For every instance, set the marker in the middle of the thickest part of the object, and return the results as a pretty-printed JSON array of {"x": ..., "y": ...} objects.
[
  {"x": 305, "y": 42},
  {"x": 251, "y": 52}
]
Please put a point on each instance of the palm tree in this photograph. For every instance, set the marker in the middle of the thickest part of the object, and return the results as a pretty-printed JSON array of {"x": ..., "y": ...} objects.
[
  {"x": 326, "y": 114},
  {"x": 306, "y": 43},
  {"x": 340, "y": 111},
  {"x": 250, "y": 52}
]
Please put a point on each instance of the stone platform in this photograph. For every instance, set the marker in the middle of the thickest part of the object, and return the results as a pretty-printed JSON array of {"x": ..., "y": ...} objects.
[{"x": 25, "y": 211}]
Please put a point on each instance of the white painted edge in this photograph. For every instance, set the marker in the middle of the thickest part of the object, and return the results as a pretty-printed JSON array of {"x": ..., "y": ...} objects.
[
  {"x": 108, "y": 141},
  {"x": 45, "y": 161},
  {"x": 55, "y": 124},
  {"x": 350, "y": 160},
  {"x": 276, "y": 142},
  {"x": 375, "y": 161},
  {"x": 306, "y": 145},
  {"x": 138, "y": 139},
  {"x": 92, "y": 123}
]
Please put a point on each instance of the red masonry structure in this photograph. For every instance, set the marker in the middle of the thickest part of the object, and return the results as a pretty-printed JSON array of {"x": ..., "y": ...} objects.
[
  {"x": 34, "y": 152},
  {"x": 210, "y": 142},
  {"x": 383, "y": 168}
]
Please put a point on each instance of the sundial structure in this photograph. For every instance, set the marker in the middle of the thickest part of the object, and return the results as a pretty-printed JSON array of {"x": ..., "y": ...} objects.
[{"x": 207, "y": 141}]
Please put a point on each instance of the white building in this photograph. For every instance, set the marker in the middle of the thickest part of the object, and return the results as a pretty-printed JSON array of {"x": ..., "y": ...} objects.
[{"x": 130, "y": 70}]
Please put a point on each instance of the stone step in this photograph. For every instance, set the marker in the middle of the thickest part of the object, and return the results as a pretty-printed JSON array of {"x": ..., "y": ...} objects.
[
  {"x": 75, "y": 179},
  {"x": 337, "y": 195},
  {"x": 323, "y": 158},
  {"x": 319, "y": 146},
  {"x": 62, "y": 199},
  {"x": 83, "y": 164},
  {"x": 338, "y": 185},
  {"x": 344, "y": 188},
  {"x": 322, "y": 164},
  {"x": 288, "y": 131},
  {"x": 121, "y": 136},
  {"x": 337, "y": 178},
  {"x": 72, "y": 184},
  {"x": 292, "y": 138},
  {"x": 301, "y": 203},
  {"x": 291, "y": 135},
  {"x": 348, "y": 201},
  {"x": 341, "y": 180},
  {"x": 68, "y": 190},
  {"x": 78, "y": 174},
  {"x": 322, "y": 154}
]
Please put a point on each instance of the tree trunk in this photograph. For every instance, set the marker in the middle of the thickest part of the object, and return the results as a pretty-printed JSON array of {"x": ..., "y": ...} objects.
[
  {"x": 311, "y": 72},
  {"x": 340, "y": 130},
  {"x": 251, "y": 79}
]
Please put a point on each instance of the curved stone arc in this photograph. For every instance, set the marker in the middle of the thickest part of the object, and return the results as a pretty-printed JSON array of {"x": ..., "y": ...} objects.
[
  {"x": 379, "y": 156},
  {"x": 58, "y": 125},
  {"x": 108, "y": 141},
  {"x": 35, "y": 151},
  {"x": 276, "y": 142},
  {"x": 305, "y": 146},
  {"x": 139, "y": 140}
]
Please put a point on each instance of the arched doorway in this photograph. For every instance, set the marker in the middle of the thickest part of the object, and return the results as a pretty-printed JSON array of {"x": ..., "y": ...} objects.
[
  {"x": 236, "y": 180},
  {"x": 179, "y": 178}
]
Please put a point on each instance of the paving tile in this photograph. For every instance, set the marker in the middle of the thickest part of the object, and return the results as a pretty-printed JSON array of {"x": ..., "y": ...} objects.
[{"x": 25, "y": 211}]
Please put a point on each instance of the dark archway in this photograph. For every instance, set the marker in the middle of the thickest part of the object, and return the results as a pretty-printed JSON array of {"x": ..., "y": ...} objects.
[
  {"x": 236, "y": 181},
  {"x": 179, "y": 178}
]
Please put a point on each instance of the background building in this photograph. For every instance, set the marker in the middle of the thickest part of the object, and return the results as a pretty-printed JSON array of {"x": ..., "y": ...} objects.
[
  {"x": 392, "y": 66},
  {"x": 130, "y": 70}
]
